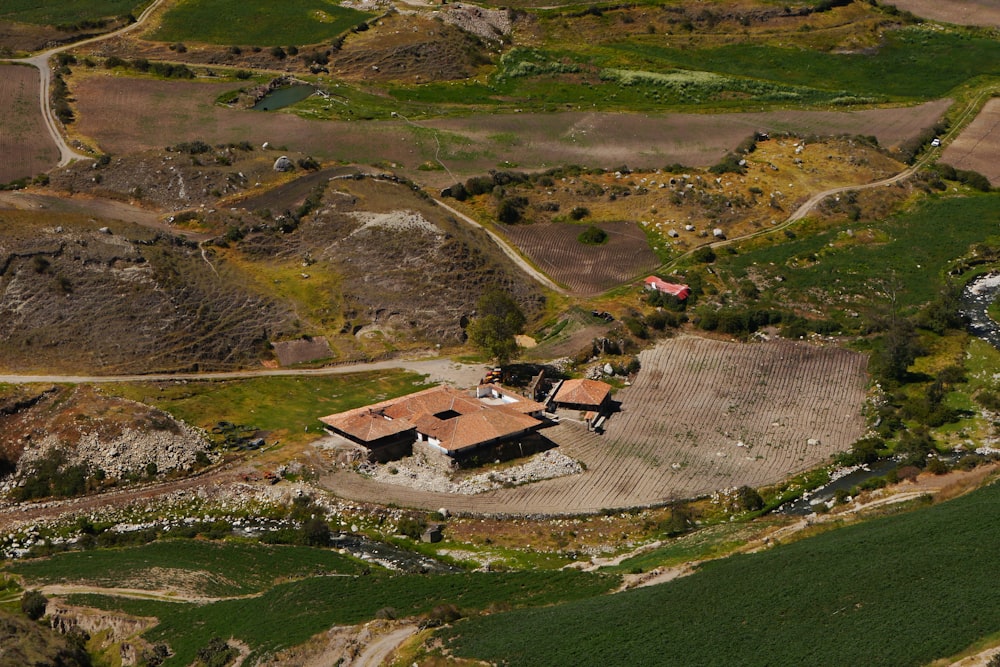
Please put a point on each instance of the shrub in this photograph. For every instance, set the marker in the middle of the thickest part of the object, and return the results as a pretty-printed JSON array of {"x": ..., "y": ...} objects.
[
  {"x": 412, "y": 527},
  {"x": 704, "y": 254},
  {"x": 218, "y": 653},
  {"x": 508, "y": 211},
  {"x": 579, "y": 212},
  {"x": 33, "y": 604},
  {"x": 593, "y": 235}
]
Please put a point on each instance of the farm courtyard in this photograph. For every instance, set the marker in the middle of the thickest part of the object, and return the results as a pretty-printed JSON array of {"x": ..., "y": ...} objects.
[{"x": 703, "y": 415}]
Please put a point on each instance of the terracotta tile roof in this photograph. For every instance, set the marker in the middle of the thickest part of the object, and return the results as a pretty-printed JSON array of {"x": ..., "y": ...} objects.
[
  {"x": 472, "y": 429},
  {"x": 583, "y": 392},
  {"x": 457, "y": 420},
  {"x": 367, "y": 426}
]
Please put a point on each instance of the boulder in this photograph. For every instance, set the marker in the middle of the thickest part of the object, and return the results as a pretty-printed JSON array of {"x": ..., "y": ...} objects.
[{"x": 283, "y": 164}]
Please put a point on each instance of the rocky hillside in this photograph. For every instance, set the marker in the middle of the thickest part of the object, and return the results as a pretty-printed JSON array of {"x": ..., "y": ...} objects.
[
  {"x": 83, "y": 295},
  {"x": 402, "y": 269},
  {"x": 105, "y": 438},
  {"x": 26, "y": 643}
]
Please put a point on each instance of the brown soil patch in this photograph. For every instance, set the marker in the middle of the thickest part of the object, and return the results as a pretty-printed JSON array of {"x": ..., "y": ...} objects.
[
  {"x": 25, "y": 145},
  {"x": 291, "y": 352},
  {"x": 702, "y": 415},
  {"x": 585, "y": 269},
  {"x": 962, "y": 12},
  {"x": 123, "y": 115},
  {"x": 978, "y": 146}
]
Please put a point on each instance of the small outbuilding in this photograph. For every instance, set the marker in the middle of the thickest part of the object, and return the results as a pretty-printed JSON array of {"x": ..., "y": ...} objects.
[
  {"x": 656, "y": 284},
  {"x": 586, "y": 395}
]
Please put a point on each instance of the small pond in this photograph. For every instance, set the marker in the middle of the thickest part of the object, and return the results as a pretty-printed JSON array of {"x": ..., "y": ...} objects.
[{"x": 280, "y": 98}]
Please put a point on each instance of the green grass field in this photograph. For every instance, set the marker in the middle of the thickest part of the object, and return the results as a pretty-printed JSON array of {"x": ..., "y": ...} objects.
[
  {"x": 917, "y": 63},
  {"x": 230, "y": 568},
  {"x": 61, "y": 12},
  {"x": 284, "y": 405},
  {"x": 902, "y": 590},
  {"x": 914, "y": 246},
  {"x": 257, "y": 22},
  {"x": 291, "y": 613}
]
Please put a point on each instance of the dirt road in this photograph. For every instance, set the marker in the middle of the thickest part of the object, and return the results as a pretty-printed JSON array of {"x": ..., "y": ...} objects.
[
  {"x": 436, "y": 370},
  {"x": 41, "y": 63},
  {"x": 376, "y": 652}
]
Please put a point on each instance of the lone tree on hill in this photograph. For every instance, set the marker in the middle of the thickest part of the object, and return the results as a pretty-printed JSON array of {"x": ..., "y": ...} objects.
[{"x": 498, "y": 319}]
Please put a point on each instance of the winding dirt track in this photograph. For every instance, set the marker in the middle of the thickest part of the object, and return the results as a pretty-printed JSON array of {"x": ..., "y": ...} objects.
[{"x": 41, "y": 62}]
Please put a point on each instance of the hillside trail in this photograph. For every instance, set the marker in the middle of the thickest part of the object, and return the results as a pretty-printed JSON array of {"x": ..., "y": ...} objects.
[
  {"x": 437, "y": 369},
  {"x": 41, "y": 63}
]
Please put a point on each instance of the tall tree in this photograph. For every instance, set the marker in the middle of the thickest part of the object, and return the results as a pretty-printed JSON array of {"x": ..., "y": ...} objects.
[{"x": 498, "y": 320}]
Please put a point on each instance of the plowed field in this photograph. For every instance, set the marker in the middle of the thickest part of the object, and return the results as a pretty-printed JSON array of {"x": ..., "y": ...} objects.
[
  {"x": 962, "y": 12},
  {"x": 25, "y": 144},
  {"x": 978, "y": 146},
  {"x": 124, "y": 114},
  {"x": 702, "y": 415},
  {"x": 585, "y": 269}
]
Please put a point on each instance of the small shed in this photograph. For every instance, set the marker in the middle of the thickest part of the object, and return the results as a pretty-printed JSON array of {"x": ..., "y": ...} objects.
[
  {"x": 586, "y": 395},
  {"x": 656, "y": 284},
  {"x": 433, "y": 534}
]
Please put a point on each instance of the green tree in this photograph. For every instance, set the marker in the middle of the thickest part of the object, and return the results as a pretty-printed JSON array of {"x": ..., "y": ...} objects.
[
  {"x": 498, "y": 320},
  {"x": 33, "y": 604}
]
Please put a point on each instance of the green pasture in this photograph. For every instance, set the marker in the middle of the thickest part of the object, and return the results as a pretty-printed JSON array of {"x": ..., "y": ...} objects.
[
  {"x": 903, "y": 590},
  {"x": 916, "y": 63},
  {"x": 285, "y": 405},
  {"x": 67, "y": 12},
  {"x": 913, "y": 248},
  {"x": 256, "y": 22},
  {"x": 227, "y": 568},
  {"x": 291, "y": 613}
]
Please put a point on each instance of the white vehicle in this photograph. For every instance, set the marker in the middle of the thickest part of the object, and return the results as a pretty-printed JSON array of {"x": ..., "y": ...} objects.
[{"x": 936, "y": 142}]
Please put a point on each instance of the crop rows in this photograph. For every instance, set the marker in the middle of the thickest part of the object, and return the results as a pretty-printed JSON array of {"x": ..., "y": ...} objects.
[
  {"x": 585, "y": 269},
  {"x": 678, "y": 432},
  {"x": 25, "y": 145}
]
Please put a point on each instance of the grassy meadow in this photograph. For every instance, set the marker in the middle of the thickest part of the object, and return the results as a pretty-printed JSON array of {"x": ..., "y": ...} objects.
[
  {"x": 257, "y": 22},
  {"x": 287, "y": 406},
  {"x": 914, "y": 247},
  {"x": 290, "y": 613},
  {"x": 67, "y": 11},
  {"x": 229, "y": 569},
  {"x": 902, "y": 590}
]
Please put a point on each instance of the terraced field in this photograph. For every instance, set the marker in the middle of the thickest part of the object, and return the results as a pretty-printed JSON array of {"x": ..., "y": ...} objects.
[
  {"x": 979, "y": 144},
  {"x": 586, "y": 270},
  {"x": 24, "y": 142},
  {"x": 703, "y": 415}
]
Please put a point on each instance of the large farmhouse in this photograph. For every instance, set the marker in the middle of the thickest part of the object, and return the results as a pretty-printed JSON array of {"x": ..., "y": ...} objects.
[{"x": 439, "y": 421}]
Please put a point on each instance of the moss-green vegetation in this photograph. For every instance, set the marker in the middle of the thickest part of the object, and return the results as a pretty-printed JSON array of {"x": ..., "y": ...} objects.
[
  {"x": 287, "y": 405},
  {"x": 859, "y": 595},
  {"x": 288, "y": 614},
  {"x": 67, "y": 12},
  {"x": 913, "y": 249},
  {"x": 258, "y": 22},
  {"x": 217, "y": 569},
  {"x": 916, "y": 62}
]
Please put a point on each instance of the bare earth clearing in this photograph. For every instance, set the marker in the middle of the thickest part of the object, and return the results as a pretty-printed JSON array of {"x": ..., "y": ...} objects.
[
  {"x": 124, "y": 115},
  {"x": 703, "y": 415},
  {"x": 25, "y": 145},
  {"x": 962, "y": 12},
  {"x": 585, "y": 269},
  {"x": 979, "y": 144}
]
